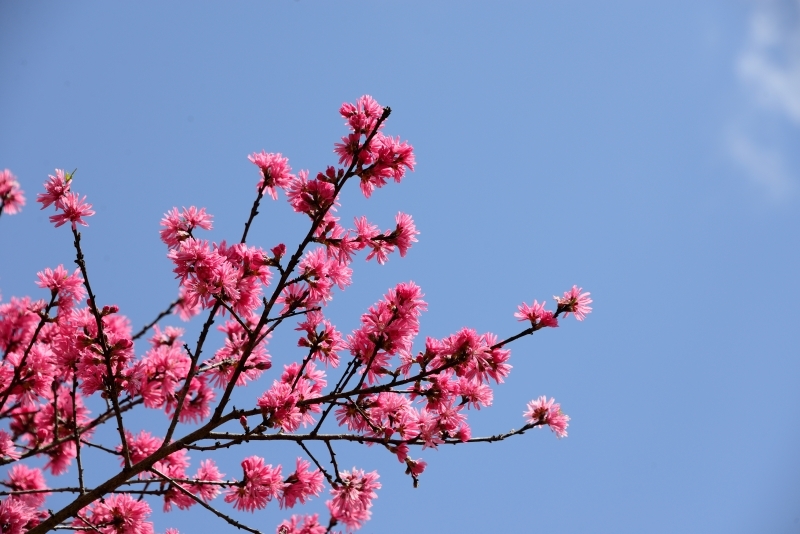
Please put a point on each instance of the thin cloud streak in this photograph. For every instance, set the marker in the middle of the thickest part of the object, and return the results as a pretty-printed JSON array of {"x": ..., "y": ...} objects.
[
  {"x": 766, "y": 165},
  {"x": 769, "y": 70}
]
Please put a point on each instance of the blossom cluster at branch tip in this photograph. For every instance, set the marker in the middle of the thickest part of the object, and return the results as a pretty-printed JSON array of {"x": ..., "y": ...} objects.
[
  {"x": 537, "y": 315},
  {"x": 378, "y": 158},
  {"x": 575, "y": 302},
  {"x": 12, "y": 198},
  {"x": 543, "y": 411},
  {"x": 275, "y": 172},
  {"x": 73, "y": 208}
]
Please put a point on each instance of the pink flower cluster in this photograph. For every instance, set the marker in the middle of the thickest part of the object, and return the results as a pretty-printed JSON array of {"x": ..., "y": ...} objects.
[
  {"x": 116, "y": 514},
  {"x": 261, "y": 483},
  {"x": 382, "y": 157},
  {"x": 306, "y": 524},
  {"x": 460, "y": 367},
  {"x": 12, "y": 198},
  {"x": 234, "y": 276},
  {"x": 20, "y": 512},
  {"x": 226, "y": 359},
  {"x": 275, "y": 172},
  {"x": 73, "y": 208},
  {"x": 352, "y": 499},
  {"x": 548, "y": 412},
  {"x": 280, "y": 404},
  {"x": 575, "y": 302}
]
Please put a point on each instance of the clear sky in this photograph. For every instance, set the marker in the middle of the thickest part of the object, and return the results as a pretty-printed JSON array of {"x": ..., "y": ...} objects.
[{"x": 645, "y": 151}]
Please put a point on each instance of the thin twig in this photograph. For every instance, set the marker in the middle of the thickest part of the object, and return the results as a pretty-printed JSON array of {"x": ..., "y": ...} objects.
[
  {"x": 160, "y": 316},
  {"x": 75, "y": 431},
  {"x": 316, "y": 462}
]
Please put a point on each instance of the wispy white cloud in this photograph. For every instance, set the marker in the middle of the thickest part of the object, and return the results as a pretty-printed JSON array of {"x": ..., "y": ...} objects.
[
  {"x": 767, "y": 165},
  {"x": 769, "y": 69}
]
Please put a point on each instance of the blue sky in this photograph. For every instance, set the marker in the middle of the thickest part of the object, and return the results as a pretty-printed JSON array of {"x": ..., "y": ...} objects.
[{"x": 646, "y": 151}]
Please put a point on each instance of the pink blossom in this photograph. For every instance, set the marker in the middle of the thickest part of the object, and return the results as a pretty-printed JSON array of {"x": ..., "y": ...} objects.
[
  {"x": 169, "y": 336},
  {"x": 348, "y": 147},
  {"x": 56, "y": 186},
  {"x": 174, "y": 466},
  {"x": 278, "y": 251},
  {"x": 162, "y": 370},
  {"x": 392, "y": 413},
  {"x": 362, "y": 116},
  {"x": 36, "y": 373},
  {"x": 474, "y": 393},
  {"x": 279, "y": 406},
  {"x": 12, "y": 198},
  {"x": 242, "y": 276},
  {"x": 207, "y": 472},
  {"x": 352, "y": 414},
  {"x": 430, "y": 431},
  {"x": 15, "y": 516},
  {"x": 91, "y": 367},
  {"x": 260, "y": 484},
  {"x": 18, "y": 320},
  {"x": 394, "y": 157},
  {"x": 308, "y": 386},
  {"x": 140, "y": 446},
  {"x": 543, "y": 411},
  {"x": 311, "y": 376},
  {"x": 74, "y": 208},
  {"x": 294, "y": 296},
  {"x": 404, "y": 234},
  {"x": 537, "y": 315},
  {"x": 387, "y": 328},
  {"x": 474, "y": 356},
  {"x": 575, "y": 302},
  {"x": 322, "y": 338},
  {"x": 415, "y": 467},
  {"x": 21, "y": 478},
  {"x": 226, "y": 359},
  {"x": 339, "y": 243},
  {"x": 353, "y": 498},
  {"x": 310, "y": 197},
  {"x": 7, "y": 448},
  {"x": 301, "y": 484},
  {"x": 187, "y": 309},
  {"x": 369, "y": 235},
  {"x": 197, "y": 403},
  {"x": 385, "y": 156},
  {"x": 118, "y": 513},
  {"x": 69, "y": 288},
  {"x": 275, "y": 171},
  {"x": 306, "y": 524},
  {"x": 440, "y": 390},
  {"x": 178, "y": 226}
]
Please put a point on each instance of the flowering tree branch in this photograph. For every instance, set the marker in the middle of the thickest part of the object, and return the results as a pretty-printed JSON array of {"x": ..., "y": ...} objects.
[{"x": 58, "y": 354}]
